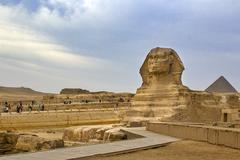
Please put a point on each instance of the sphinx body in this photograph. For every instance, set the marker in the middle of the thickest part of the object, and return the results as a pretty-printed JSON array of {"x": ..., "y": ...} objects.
[
  {"x": 162, "y": 91},
  {"x": 162, "y": 96}
]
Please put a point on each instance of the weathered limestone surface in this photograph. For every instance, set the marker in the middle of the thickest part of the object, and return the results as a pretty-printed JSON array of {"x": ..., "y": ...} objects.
[
  {"x": 206, "y": 107},
  {"x": 162, "y": 91},
  {"x": 7, "y": 142},
  {"x": 105, "y": 97},
  {"x": 215, "y": 135},
  {"x": 83, "y": 133},
  {"x": 162, "y": 96},
  {"x": 87, "y": 133},
  {"x": 32, "y": 143},
  {"x": 114, "y": 134},
  {"x": 13, "y": 142},
  {"x": 52, "y": 119},
  {"x": 100, "y": 132}
]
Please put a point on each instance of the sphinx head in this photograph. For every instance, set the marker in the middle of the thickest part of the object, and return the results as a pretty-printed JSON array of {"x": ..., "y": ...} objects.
[
  {"x": 162, "y": 62},
  {"x": 159, "y": 62}
]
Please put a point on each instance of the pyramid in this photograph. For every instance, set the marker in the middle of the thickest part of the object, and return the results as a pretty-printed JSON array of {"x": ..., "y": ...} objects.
[{"x": 221, "y": 85}]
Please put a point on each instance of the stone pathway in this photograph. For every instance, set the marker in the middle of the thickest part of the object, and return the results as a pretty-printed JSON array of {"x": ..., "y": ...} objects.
[{"x": 150, "y": 140}]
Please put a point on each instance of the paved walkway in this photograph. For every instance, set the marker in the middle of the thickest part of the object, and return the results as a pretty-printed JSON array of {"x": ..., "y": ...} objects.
[{"x": 150, "y": 140}]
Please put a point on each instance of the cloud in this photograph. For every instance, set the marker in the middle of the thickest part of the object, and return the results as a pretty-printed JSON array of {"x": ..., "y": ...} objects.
[
  {"x": 22, "y": 43},
  {"x": 26, "y": 52},
  {"x": 82, "y": 36}
]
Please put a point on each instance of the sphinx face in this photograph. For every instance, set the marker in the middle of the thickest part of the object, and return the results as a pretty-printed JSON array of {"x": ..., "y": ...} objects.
[{"x": 158, "y": 62}]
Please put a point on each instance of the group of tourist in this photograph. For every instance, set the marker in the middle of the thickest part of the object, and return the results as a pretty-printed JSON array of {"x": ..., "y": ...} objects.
[{"x": 19, "y": 108}]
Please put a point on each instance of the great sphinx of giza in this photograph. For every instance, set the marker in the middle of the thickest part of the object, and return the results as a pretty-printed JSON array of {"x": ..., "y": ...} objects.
[
  {"x": 162, "y": 95},
  {"x": 162, "y": 90},
  {"x": 162, "y": 68}
]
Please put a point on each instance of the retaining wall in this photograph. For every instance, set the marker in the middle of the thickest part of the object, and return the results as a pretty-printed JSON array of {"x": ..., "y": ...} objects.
[
  {"x": 229, "y": 137},
  {"x": 55, "y": 119}
]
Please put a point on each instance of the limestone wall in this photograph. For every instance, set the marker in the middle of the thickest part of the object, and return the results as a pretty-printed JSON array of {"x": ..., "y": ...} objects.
[
  {"x": 52, "y": 119},
  {"x": 229, "y": 137},
  {"x": 87, "y": 106},
  {"x": 91, "y": 97},
  {"x": 230, "y": 115},
  {"x": 207, "y": 107}
]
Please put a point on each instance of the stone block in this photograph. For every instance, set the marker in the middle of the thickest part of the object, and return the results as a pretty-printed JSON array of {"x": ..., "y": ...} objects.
[
  {"x": 228, "y": 138},
  {"x": 212, "y": 135}
]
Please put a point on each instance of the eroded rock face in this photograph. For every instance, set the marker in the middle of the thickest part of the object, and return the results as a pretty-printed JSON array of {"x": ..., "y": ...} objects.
[
  {"x": 30, "y": 143},
  {"x": 89, "y": 133},
  {"x": 14, "y": 143},
  {"x": 114, "y": 134},
  {"x": 162, "y": 90},
  {"x": 7, "y": 142},
  {"x": 100, "y": 132},
  {"x": 81, "y": 133},
  {"x": 73, "y": 134},
  {"x": 136, "y": 123},
  {"x": 162, "y": 66}
]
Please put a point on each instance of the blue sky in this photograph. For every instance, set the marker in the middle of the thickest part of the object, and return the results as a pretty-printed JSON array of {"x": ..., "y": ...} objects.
[{"x": 100, "y": 44}]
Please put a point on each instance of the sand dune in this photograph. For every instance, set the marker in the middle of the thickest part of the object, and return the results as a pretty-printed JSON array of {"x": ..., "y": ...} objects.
[{"x": 19, "y": 93}]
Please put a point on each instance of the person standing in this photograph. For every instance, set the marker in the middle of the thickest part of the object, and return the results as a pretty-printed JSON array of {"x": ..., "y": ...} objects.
[
  {"x": 5, "y": 109},
  {"x": 30, "y": 108},
  {"x": 43, "y": 107},
  {"x": 9, "y": 108},
  {"x": 20, "y": 107},
  {"x": 39, "y": 107}
]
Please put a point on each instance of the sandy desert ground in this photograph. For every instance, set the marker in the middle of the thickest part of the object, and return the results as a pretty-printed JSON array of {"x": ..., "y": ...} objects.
[{"x": 182, "y": 150}]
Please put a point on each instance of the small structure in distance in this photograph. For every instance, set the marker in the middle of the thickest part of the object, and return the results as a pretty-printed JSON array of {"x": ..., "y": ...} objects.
[{"x": 221, "y": 85}]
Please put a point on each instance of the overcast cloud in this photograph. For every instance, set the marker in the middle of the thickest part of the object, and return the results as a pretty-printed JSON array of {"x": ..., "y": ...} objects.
[{"x": 100, "y": 44}]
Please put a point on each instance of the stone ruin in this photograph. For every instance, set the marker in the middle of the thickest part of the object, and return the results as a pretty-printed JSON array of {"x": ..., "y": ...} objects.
[
  {"x": 162, "y": 95},
  {"x": 11, "y": 142},
  {"x": 74, "y": 91},
  {"x": 94, "y": 133}
]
